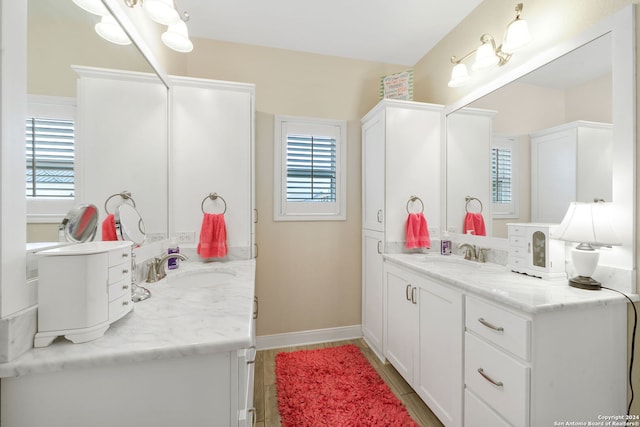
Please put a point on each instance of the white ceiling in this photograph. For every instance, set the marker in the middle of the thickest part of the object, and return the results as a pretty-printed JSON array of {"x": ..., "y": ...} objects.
[{"x": 395, "y": 32}]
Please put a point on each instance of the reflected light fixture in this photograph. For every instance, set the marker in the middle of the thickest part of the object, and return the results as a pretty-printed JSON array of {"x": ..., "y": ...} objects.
[
  {"x": 588, "y": 224},
  {"x": 109, "y": 29},
  {"x": 163, "y": 12},
  {"x": 488, "y": 55}
]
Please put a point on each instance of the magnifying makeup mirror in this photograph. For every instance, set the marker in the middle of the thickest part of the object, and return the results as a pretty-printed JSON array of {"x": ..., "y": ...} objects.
[
  {"x": 129, "y": 224},
  {"x": 79, "y": 225}
]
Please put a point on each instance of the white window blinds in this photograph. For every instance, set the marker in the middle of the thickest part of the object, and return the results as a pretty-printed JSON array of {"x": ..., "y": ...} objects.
[
  {"x": 311, "y": 168},
  {"x": 49, "y": 145},
  {"x": 501, "y": 165}
]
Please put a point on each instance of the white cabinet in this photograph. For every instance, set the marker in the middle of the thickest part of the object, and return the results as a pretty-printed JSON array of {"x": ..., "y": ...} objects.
[
  {"x": 571, "y": 162},
  {"x": 372, "y": 293},
  {"x": 532, "y": 251},
  {"x": 400, "y": 158},
  {"x": 533, "y": 370},
  {"x": 423, "y": 339},
  {"x": 82, "y": 289},
  {"x": 212, "y": 151}
]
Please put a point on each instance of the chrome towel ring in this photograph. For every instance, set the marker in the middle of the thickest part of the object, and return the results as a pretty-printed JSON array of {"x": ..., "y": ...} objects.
[
  {"x": 469, "y": 199},
  {"x": 213, "y": 196},
  {"x": 126, "y": 195},
  {"x": 412, "y": 199}
]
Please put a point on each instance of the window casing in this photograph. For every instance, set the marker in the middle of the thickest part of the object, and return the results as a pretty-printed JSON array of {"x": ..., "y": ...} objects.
[
  {"x": 309, "y": 169},
  {"x": 504, "y": 179},
  {"x": 49, "y": 175}
]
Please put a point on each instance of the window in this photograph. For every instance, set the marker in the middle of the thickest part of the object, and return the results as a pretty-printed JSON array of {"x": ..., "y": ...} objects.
[
  {"x": 310, "y": 176},
  {"x": 504, "y": 155},
  {"x": 49, "y": 148},
  {"x": 49, "y": 158}
]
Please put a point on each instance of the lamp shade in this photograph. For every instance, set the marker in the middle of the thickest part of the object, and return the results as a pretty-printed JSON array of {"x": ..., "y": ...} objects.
[
  {"x": 92, "y": 6},
  {"x": 177, "y": 38},
  {"x": 459, "y": 75},
  {"x": 109, "y": 29},
  {"x": 161, "y": 11},
  {"x": 588, "y": 223},
  {"x": 517, "y": 36},
  {"x": 485, "y": 57}
]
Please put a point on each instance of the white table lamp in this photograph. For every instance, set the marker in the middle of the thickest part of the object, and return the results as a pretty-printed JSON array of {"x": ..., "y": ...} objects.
[{"x": 588, "y": 224}]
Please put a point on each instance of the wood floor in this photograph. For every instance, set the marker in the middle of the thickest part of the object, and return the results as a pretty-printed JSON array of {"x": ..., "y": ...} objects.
[{"x": 266, "y": 402}]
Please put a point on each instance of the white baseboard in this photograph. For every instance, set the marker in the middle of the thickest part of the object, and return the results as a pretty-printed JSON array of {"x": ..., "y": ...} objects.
[{"x": 264, "y": 342}]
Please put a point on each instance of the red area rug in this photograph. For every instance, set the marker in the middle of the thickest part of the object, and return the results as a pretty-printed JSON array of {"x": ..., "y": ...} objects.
[{"x": 335, "y": 387}]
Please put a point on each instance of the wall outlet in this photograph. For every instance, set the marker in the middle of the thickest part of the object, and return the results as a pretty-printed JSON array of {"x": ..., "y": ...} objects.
[
  {"x": 154, "y": 237},
  {"x": 185, "y": 236}
]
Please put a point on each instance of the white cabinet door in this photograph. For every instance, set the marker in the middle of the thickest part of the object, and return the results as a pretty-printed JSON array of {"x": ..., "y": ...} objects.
[
  {"x": 401, "y": 322},
  {"x": 212, "y": 152},
  {"x": 373, "y": 172},
  {"x": 372, "y": 289},
  {"x": 439, "y": 372}
]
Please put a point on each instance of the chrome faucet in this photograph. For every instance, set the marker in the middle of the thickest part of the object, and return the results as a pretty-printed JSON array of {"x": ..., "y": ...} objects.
[
  {"x": 473, "y": 253},
  {"x": 156, "y": 267},
  {"x": 470, "y": 251}
]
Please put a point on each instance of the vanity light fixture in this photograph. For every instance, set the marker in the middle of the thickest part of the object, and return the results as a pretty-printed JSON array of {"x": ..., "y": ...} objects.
[
  {"x": 163, "y": 12},
  {"x": 488, "y": 55},
  {"x": 588, "y": 224}
]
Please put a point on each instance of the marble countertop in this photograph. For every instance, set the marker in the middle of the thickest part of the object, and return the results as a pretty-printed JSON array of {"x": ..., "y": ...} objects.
[
  {"x": 185, "y": 316},
  {"x": 498, "y": 283}
]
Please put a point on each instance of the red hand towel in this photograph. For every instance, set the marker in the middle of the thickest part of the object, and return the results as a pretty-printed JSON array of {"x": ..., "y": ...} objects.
[
  {"x": 474, "y": 224},
  {"x": 213, "y": 237},
  {"x": 417, "y": 234},
  {"x": 109, "y": 228}
]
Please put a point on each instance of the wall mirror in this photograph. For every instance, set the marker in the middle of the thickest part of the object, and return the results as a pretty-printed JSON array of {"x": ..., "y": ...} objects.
[
  {"x": 573, "y": 84},
  {"x": 59, "y": 35}
]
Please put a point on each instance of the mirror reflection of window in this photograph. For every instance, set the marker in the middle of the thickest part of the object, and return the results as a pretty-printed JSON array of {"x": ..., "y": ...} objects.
[{"x": 504, "y": 190}]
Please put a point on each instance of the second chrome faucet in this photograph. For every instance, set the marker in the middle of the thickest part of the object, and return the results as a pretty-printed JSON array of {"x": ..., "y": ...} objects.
[
  {"x": 472, "y": 252},
  {"x": 156, "y": 267}
]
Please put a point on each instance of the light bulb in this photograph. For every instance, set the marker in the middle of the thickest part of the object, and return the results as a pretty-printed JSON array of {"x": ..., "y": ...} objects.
[
  {"x": 109, "y": 29},
  {"x": 517, "y": 36},
  {"x": 459, "y": 76},
  {"x": 485, "y": 57},
  {"x": 177, "y": 38}
]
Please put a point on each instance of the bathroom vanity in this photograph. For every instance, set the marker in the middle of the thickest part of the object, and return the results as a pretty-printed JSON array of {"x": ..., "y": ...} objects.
[
  {"x": 483, "y": 346},
  {"x": 183, "y": 357}
]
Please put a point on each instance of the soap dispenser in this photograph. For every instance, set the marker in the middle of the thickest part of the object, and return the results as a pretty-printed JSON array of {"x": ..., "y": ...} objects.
[{"x": 173, "y": 262}]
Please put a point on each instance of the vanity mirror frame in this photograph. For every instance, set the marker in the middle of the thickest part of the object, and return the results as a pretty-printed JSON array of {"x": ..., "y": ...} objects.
[{"x": 621, "y": 26}]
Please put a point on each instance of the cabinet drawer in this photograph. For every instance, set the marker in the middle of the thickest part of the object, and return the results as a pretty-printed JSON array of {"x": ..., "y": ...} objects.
[
  {"x": 119, "y": 272},
  {"x": 118, "y": 256},
  {"x": 516, "y": 230},
  {"x": 119, "y": 289},
  {"x": 478, "y": 414},
  {"x": 499, "y": 326},
  {"x": 498, "y": 379},
  {"x": 119, "y": 307},
  {"x": 519, "y": 241}
]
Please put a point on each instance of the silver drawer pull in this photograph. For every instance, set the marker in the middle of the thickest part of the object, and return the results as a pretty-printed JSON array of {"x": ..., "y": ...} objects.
[
  {"x": 406, "y": 292},
  {"x": 125, "y": 287},
  {"x": 125, "y": 271},
  {"x": 488, "y": 378},
  {"x": 125, "y": 302},
  {"x": 490, "y": 326},
  {"x": 125, "y": 255}
]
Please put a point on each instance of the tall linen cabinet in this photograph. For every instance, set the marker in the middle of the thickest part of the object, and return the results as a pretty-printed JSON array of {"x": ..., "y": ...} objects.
[{"x": 401, "y": 143}]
